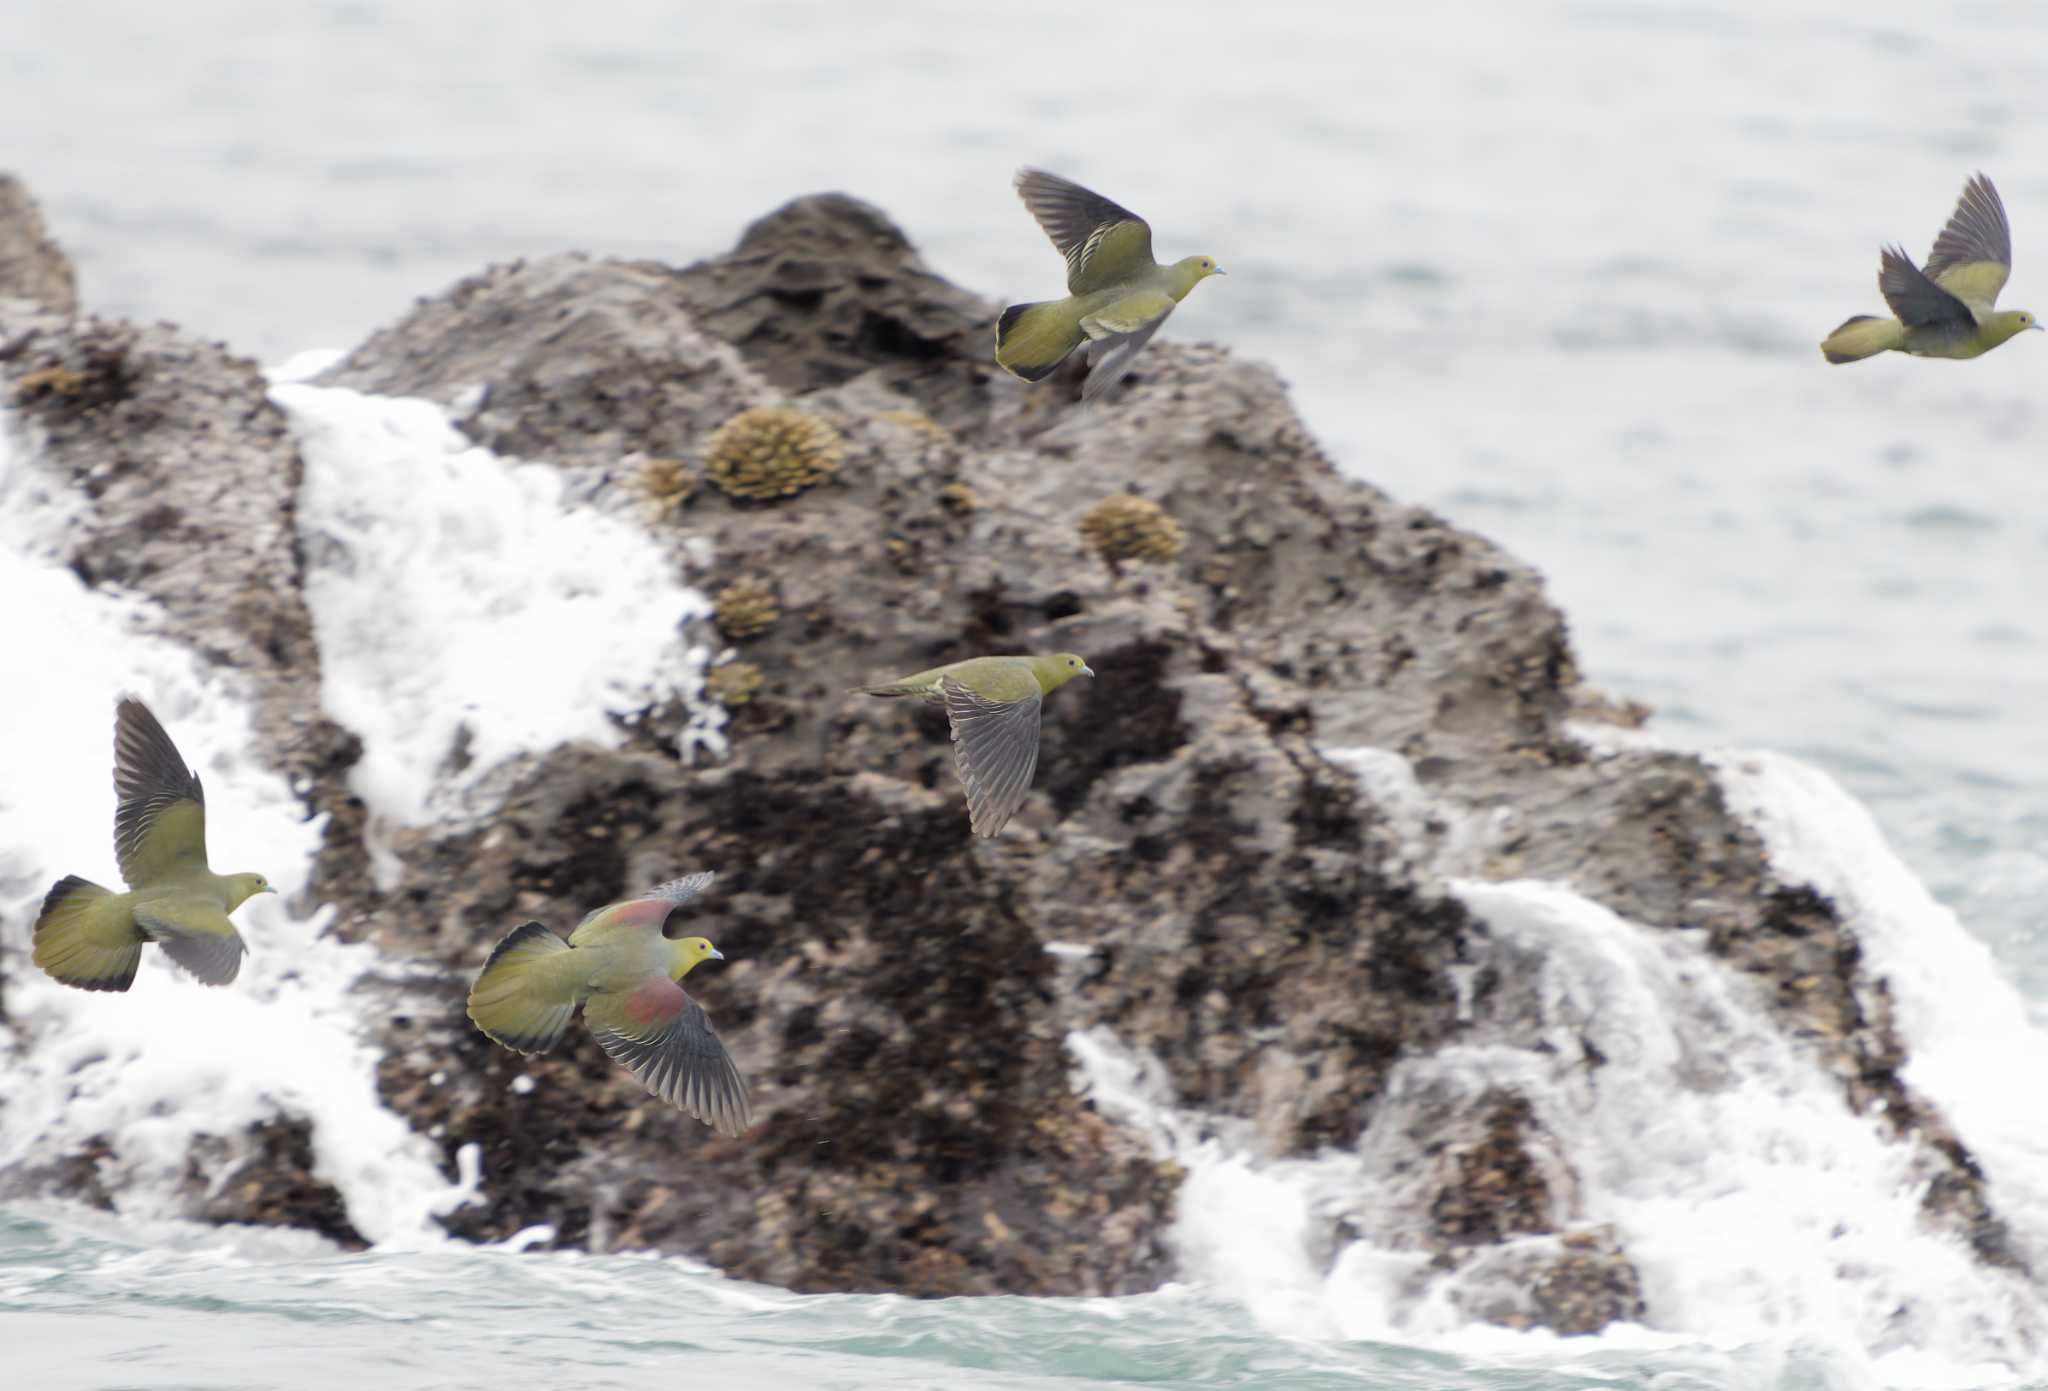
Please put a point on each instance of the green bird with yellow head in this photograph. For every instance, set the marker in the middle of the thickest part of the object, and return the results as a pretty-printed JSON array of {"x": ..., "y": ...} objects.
[
  {"x": 992, "y": 704},
  {"x": 92, "y": 937},
  {"x": 1117, "y": 295},
  {"x": 1945, "y": 309},
  {"x": 625, "y": 972}
]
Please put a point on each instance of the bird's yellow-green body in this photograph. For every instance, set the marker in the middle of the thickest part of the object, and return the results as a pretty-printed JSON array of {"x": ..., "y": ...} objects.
[
  {"x": 1866, "y": 335},
  {"x": 992, "y": 704},
  {"x": 1117, "y": 294},
  {"x": 612, "y": 954},
  {"x": 1033, "y": 339},
  {"x": 992, "y": 678},
  {"x": 623, "y": 971},
  {"x": 92, "y": 937},
  {"x": 1946, "y": 309}
]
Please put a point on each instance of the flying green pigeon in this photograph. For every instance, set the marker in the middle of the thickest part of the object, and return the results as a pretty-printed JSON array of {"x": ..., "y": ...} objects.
[
  {"x": 92, "y": 937},
  {"x": 1944, "y": 310},
  {"x": 992, "y": 703},
  {"x": 1117, "y": 295},
  {"x": 620, "y": 967}
]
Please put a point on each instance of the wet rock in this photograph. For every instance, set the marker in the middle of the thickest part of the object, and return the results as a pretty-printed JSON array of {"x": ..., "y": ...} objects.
[
  {"x": 1498, "y": 1188},
  {"x": 1575, "y": 1283},
  {"x": 79, "y": 1174},
  {"x": 265, "y": 1178}
]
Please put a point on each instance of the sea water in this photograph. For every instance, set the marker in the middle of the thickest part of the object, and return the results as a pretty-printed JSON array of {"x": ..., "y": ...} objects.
[{"x": 1556, "y": 269}]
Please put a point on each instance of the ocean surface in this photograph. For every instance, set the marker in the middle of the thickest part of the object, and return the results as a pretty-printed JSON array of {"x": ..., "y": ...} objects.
[{"x": 1555, "y": 269}]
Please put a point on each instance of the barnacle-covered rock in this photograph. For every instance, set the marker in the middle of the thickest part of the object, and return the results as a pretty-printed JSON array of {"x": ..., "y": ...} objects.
[
  {"x": 733, "y": 684},
  {"x": 1124, "y": 526},
  {"x": 772, "y": 452},
  {"x": 744, "y": 609}
]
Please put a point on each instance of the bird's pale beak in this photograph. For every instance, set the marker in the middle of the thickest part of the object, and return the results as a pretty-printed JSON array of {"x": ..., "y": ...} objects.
[
  {"x": 716, "y": 954},
  {"x": 270, "y": 888},
  {"x": 1220, "y": 271},
  {"x": 1087, "y": 670}
]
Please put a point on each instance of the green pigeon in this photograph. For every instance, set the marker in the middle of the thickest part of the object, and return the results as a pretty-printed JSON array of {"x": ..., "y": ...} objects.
[
  {"x": 1944, "y": 310},
  {"x": 92, "y": 937},
  {"x": 623, "y": 970},
  {"x": 992, "y": 704},
  {"x": 1117, "y": 295}
]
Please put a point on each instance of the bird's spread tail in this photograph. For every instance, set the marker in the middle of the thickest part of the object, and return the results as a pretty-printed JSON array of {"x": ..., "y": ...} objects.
[
  {"x": 516, "y": 999},
  {"x": 1863, "y": 336},
  {"x": 1032, "y": 339},
  {"x": 86, "y": 936}
]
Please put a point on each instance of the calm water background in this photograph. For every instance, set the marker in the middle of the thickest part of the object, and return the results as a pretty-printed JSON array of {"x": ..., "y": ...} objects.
[{"x": 1555, "y": 269}]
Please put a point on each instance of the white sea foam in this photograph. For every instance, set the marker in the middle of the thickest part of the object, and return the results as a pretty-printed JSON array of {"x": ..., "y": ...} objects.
[
  {"x": 467, "y": 609},
  {"x": 1971, "y": 1045},
  {"x": 149, "y": 1070},
  {"x": 1777, "y": 1235}
]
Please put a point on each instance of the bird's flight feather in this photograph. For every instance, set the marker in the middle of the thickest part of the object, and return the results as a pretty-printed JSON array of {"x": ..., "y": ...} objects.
[
  {"x": 1104, "y": 244},
  {"x": 663, "y": 1037},
  {"x": 1917, "y": 300},
  {"x": 160, "y": 813},
  {"x": 1973, "y": 255},
  {"x": 995, "y": 747},
  {"x": 196, "y": 934}
]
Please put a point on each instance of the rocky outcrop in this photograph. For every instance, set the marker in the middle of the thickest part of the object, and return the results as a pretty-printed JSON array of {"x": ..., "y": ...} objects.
[
  {"x": 35, "y": 274},
  {"x": 1194, "y": 874}
]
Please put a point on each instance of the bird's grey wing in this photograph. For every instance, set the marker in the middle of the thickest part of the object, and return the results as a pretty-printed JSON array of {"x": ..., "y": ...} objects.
[
  {"x": 664, "y": 1038},
  {"x": 1104, "y": 243},
  {"x": 196, "y": 935},
  {"x": 995, "y": 749},
  {"x": 1108, "y": 357},
  {"x": 681, "y": 891},
  {"x": 1918, "y": 301},
  {"x": 160, "y": 808},
  {"x": 1973, "y": 255}
]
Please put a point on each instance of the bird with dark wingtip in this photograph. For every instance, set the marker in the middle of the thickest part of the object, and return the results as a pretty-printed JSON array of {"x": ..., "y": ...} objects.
[
  {"x": 1944, "y": 309},
  {"x": 992, "y": 704},
  {"x": 92, "y": 937},
  {"x": 1117, "y": 295},
  {"x": 626, "y": 973}
]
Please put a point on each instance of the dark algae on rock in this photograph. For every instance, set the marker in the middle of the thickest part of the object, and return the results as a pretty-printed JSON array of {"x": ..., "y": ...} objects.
[{"x": 1229, "y": 899}]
